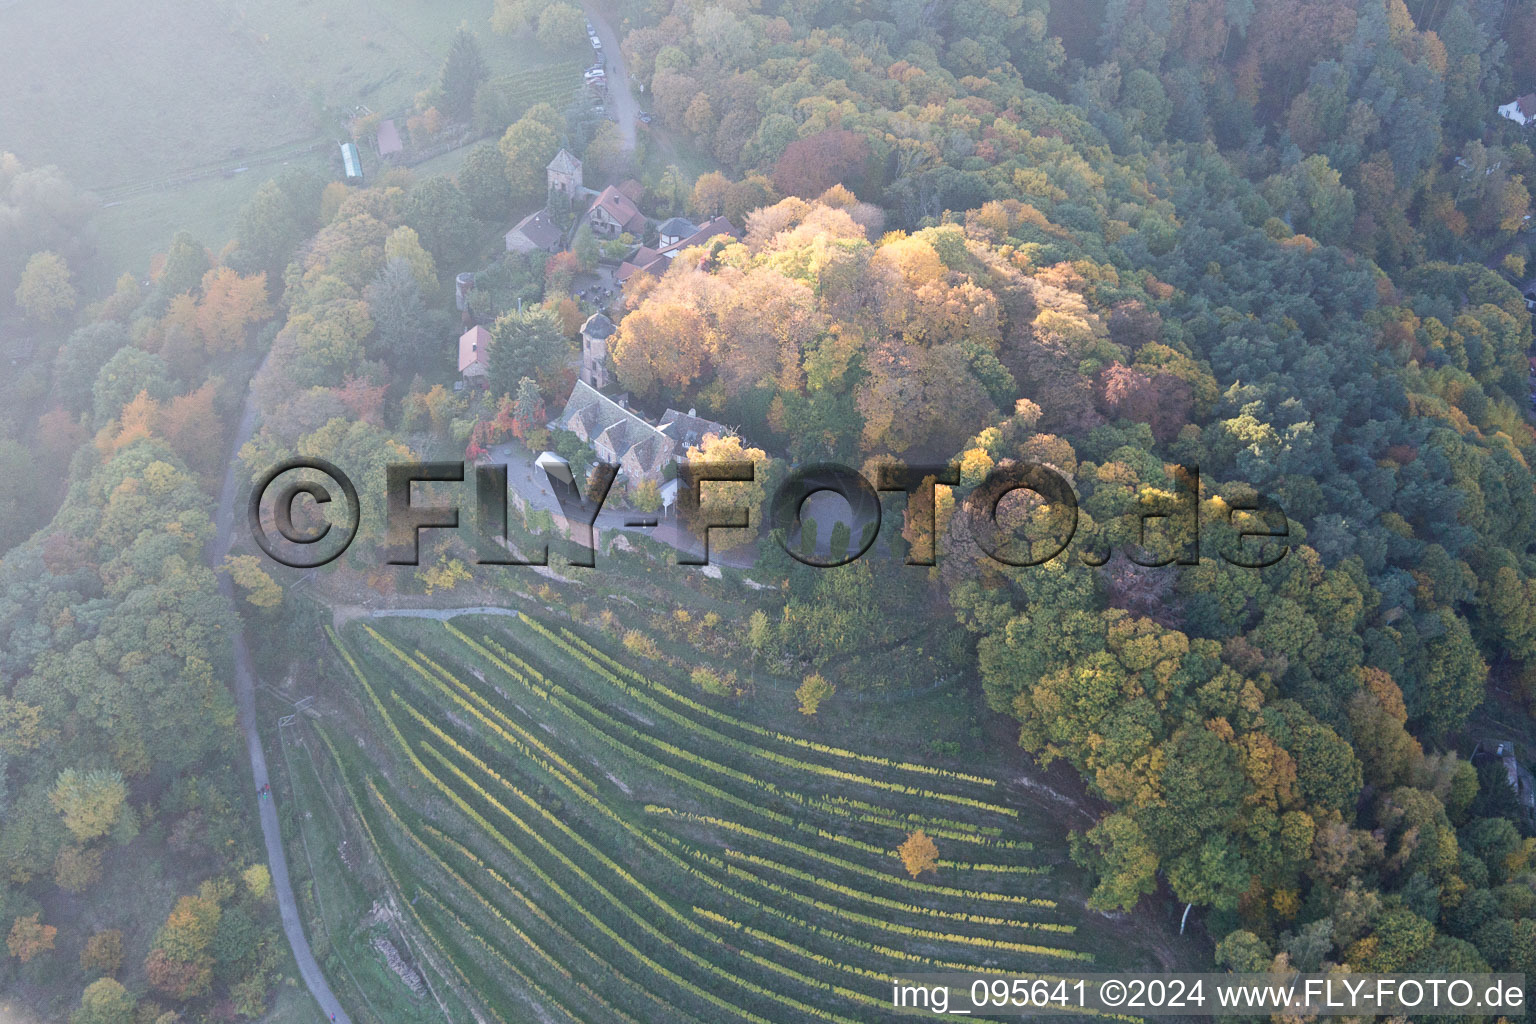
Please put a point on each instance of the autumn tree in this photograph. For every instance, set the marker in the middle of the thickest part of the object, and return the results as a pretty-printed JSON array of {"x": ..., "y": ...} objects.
[
  {"x": 560, "y": 24},
  {"x": 810, "y": 166},
  {"x": 404, "y": 245},
  {"x": 45, "y": 293},
  {"x": 527, "y": 408},
  {"x": 918, "y": 853},
  {"x": 187, "y": 422},
  {"x": 812, "y": 691},
  {"x": 662, "y": 346},
  {"x": 77, "y": 868},
  {"x": 104, "y": 1001},
  {"x": 230, "y": 304},
  {"x": 710, "y": 192},
  {"x": 527, "y": 146},
  {"x": 259, "y": 587},
  {"x": 1121, "y": 857},
  {"x": 29, "y": 937},
  {"x": 90, "y": 801},
  {"x": 258, "y": 881},
  {"x": 180, "y": 962},
  {"x": 718, "y": 500},
  {"x": 512, "y": 16},
  {"x": 103, "y": 952}
]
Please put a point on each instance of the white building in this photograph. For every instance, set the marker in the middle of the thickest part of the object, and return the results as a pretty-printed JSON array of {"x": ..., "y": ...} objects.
[{"x": 1522, "y": 111}]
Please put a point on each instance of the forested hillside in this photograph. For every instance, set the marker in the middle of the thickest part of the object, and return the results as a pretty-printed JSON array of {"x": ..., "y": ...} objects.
[
  {"x": 1283, "y": 244},
  {"x": 1186, "y": 234}
]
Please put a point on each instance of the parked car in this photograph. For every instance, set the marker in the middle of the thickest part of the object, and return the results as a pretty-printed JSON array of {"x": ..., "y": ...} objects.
[
  {"x": 590, "y": 30},
  {"x": 645, "y": 118}
]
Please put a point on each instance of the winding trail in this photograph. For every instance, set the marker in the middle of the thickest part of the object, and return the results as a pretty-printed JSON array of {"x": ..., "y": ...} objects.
[{"x": 245, "y": 698}]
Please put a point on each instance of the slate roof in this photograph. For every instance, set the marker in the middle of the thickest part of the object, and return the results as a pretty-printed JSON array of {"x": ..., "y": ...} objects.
[
  {"x": 538, "y": 229},
  {"x": 600, "y": 420},
  {"x": 598, "y": 326},
  {"x": 564, "y": 163},
  {"x": 677, "y": 227},
  {"x": 688, "y": 430}
]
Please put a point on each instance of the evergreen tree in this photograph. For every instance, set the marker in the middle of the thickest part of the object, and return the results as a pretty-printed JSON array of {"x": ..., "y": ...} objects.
[{"x": 463, "y": 71}]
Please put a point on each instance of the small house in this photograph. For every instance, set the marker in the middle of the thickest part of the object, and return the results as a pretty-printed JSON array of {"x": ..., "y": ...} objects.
[
  {"x": 674, "y": 230},
  {"x": 387, "y": 141},
  {"x": 475, "y": 353},
  {"x": 1522, "y": 111},
  {"x": 534, "y": 232},
  {"x": 613, "y": 213},
  {"x": 656, "y": 261}
]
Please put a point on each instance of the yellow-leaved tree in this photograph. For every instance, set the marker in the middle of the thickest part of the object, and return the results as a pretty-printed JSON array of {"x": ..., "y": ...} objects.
[
  {"x": 918, "y": 854},
  {"x": 812, "y": 692}
]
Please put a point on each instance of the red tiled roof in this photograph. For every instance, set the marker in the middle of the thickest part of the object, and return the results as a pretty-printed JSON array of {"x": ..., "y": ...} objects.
[
  {"x": 389, "y": 138},
  {"x": 622, "y": 209},
  {"x": 474, "y": 348}
]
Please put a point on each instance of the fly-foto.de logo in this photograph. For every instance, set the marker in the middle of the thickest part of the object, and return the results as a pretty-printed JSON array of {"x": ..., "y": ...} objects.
[{"x": 1164, "y": 528}]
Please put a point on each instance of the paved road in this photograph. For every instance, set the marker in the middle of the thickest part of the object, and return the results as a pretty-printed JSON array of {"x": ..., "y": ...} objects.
[
  {"x": 621, "y": 101},
  {"x": 245, "y": 698}
]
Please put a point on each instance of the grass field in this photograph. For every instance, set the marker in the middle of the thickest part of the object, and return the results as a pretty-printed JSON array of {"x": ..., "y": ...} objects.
[
  {"x": 566, "y": 832},
  {"x": 181, "y": 86}
]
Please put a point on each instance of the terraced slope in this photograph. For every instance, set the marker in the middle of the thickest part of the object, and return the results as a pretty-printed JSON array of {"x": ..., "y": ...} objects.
[{"x": 568, "y": 832}]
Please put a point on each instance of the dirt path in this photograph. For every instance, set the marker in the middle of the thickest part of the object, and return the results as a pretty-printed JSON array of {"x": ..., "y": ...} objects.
[
  {"x": 341, "y": 614},
  {"x": 245, "y": 698}
]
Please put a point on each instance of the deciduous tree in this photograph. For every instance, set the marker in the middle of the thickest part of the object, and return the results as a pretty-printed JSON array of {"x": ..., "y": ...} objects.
[
  {"x": 90, "y": 801},
  {"x": 812, "y": 691},
  {"x": 105, "y": 1001},
  {"x": 29, "y": 937},
  {"x": 918, "y": 853},
  {"x": 229, "y": 306},
  {"x": 45, "y": 293}
]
